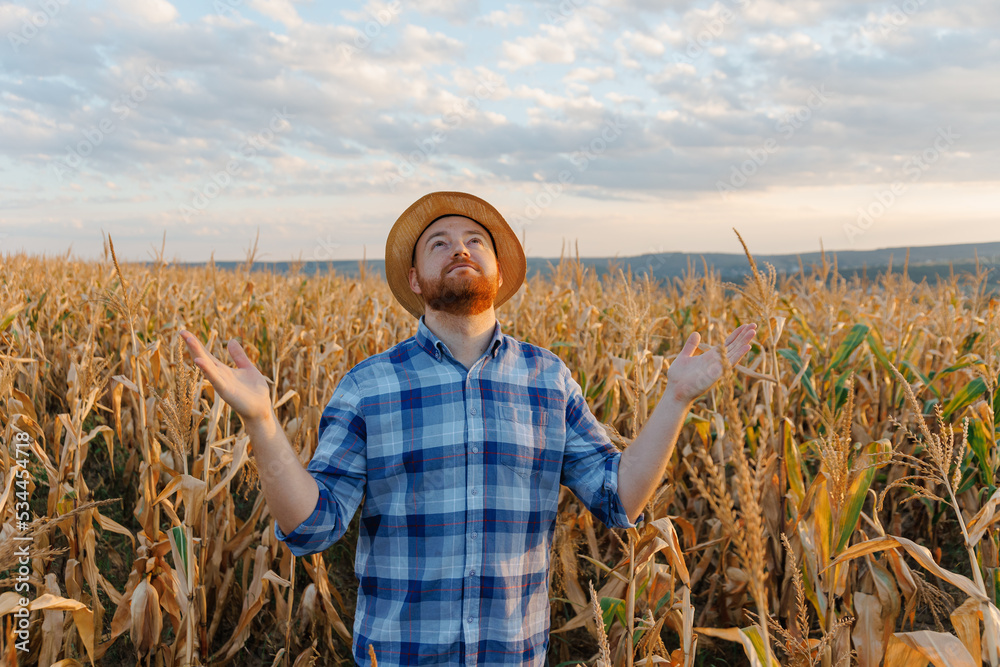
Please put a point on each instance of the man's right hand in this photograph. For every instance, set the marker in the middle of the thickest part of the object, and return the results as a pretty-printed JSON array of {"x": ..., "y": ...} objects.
[
  {"x": 290, "y": 491},
  {"x": 244, "y": 387}
]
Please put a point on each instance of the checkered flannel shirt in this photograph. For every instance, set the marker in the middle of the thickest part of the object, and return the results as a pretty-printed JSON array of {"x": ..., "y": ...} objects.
[{"x": 461, "y": 471}]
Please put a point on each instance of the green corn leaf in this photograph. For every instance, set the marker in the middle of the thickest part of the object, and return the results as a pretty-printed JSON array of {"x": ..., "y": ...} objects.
[
  {"x": 908, "y": 365},
  {"x": 753, "y": 634},
  {"x": 181, "y": 541},
  {"x": 854, "y": 338},
  {"x": 964, "y": 398},
  {"x": 875, "y": 345},
  {"x": 996, "y": 408},
  {"x": 982, "y": 446},
  {"x": 10, "y": 315},
  {"x": 968, "y": 342},
  {"x": 840, "y": 392},
  {"x": 793, "y": 357},
  {"x": 793, "y": 464},
  {"x": 854, "y": 500},
  {"x": 613, "y": 608}
]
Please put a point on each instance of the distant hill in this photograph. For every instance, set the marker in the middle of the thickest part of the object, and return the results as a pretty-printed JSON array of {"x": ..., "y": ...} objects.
[{"x": 925, "y": 262}]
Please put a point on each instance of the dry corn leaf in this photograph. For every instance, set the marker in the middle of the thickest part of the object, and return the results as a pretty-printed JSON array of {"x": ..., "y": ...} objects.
[
  {"x": 308, "y": 605},
  {"x": 122, "y": 618},
  {"x": 240, "y": 456},
  {"x": 110, "y": 524},
  {"x": 985, "y": 517},
  {"x": 888, "y": 597},
  {"x": 190, "y": 490},
  {"x": 9, "y": 601},
  {"x": 83, "y": 618},
  {"x": 307, "y": 658},
  {"x": 146, "y": 618},
  {"x": 52, "y": 625},
  {"x": 316, "y": 570},
  {"x": 748, "y": 638},
  {"x": 868, "y": 630},
  {"x": 965, "y": 619},
  {"x": 916, "y": 649}
]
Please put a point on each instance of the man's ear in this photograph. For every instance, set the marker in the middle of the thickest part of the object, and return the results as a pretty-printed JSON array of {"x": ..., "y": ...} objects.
[
  {"x": 499, "y": 276},
  {"x": 414, "y": 285}
]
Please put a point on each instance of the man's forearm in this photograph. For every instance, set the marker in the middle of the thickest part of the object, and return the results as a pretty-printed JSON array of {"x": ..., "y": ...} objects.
[
  {"x": 644, "y": 461},
  {"x": 290, "y": 491}
]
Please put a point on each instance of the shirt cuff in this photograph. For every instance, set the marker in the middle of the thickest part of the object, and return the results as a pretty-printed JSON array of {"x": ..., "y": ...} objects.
[
  {"x": 617, "y": 518},
  {"x": 303, "y": 540}
]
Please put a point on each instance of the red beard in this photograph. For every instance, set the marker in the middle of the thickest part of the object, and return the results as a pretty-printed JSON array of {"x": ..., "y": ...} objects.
[{"x": 468, "y": 293}]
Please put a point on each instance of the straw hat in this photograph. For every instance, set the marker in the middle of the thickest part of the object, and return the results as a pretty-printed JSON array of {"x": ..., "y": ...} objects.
[{"x": 408, "y": 228}]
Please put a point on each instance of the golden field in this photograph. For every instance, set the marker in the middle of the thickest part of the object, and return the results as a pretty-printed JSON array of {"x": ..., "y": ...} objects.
[{"x": 832, "y": 501}]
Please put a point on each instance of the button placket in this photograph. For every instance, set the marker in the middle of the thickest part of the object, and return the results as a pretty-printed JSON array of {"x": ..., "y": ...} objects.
[{"x": 475, "y": 503}]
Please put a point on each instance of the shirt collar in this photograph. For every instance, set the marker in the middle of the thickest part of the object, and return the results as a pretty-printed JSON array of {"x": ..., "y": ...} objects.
[{"x": 435, "y": 347}]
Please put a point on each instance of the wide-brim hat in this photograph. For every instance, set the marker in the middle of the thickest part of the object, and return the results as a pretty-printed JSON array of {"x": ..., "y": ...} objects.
[{"x": 414, "y": 220}]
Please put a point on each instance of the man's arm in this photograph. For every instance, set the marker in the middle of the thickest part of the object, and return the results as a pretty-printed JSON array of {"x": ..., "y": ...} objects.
[
  {"x": 290, "y": 491},
  {"x": 644, "y": 461}
]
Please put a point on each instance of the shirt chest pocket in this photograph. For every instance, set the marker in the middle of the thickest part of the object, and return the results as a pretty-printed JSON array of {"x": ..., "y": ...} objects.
[{"x": 526, "y": 439}]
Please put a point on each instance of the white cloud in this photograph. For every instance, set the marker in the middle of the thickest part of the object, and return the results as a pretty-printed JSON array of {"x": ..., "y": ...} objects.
[
  {"x": 590, "y": 74},
  {"x": 150, "y": 11},
  {"x": 556, "y": 44},
  {"x": 280, "y": 10},
  {"x": 361, "y": 103},
  {"x": 513, "y": 15},
  {"x": 795, "y": 45},
  {"x": 644, "y": 44}
]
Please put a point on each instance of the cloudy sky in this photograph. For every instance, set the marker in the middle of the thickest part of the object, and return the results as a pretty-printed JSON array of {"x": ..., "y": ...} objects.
[{"x": 626, "y": 126}]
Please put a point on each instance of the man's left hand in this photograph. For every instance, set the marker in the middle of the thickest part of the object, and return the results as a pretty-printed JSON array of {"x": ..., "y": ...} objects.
[{"x": 691, "y": 376}]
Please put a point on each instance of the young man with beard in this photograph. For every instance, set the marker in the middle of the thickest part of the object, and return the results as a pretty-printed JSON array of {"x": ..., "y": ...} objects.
[{"x": 459, "y": 439}]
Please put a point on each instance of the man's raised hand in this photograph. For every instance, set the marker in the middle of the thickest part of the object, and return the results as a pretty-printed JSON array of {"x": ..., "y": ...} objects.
[
  {"x": 244, "y": 387},
  {"x": 691, "y": 376}
]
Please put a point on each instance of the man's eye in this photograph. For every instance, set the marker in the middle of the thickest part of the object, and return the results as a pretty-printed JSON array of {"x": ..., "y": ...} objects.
[{"x": 437, "y": 243}]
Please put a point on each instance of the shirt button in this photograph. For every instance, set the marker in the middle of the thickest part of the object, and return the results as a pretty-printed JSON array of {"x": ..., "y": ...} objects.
[
  {"x": 472, "y": 573},
  {"x": 475, "y": 450},
  {"x": 473, "y": 412},
  {"x": 472, "y": 620},
  {"x": 475, "y": 535},
  {"x": 474, "y": 492}
]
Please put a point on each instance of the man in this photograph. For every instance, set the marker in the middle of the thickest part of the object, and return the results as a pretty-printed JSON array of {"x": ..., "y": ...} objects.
[{"x": 459, "y": 439}]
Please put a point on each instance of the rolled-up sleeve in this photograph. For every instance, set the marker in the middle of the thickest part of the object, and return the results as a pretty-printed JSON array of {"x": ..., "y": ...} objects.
[
  {"x": 590, "y": 461},
  {"x": 339, "y": 467}
]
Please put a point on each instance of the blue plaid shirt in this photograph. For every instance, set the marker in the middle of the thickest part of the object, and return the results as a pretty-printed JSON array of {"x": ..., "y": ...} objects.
[{"x": 461, "y": 471}]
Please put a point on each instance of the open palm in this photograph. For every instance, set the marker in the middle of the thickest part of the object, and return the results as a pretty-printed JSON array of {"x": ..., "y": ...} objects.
[
  {"x": 244, "y": 387},
  {"x": 690, "y": 376}
]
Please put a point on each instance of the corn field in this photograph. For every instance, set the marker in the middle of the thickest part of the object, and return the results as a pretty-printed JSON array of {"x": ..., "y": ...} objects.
[{"x": 831, "y": 501}]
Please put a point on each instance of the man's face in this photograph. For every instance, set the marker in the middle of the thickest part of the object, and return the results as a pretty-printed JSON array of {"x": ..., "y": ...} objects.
[{"x": 455, "y": 267}]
